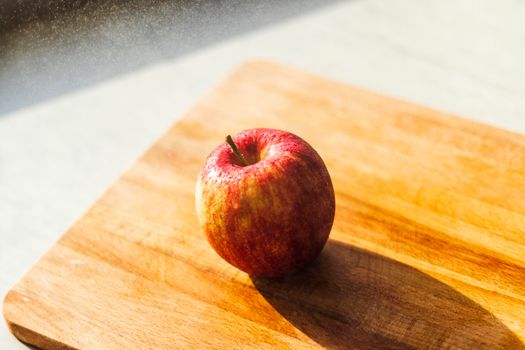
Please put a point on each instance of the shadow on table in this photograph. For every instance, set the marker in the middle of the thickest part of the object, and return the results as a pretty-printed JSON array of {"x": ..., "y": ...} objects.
[
  {"x": 351, "y": 298},
  {"x": 52, "y": 47}
]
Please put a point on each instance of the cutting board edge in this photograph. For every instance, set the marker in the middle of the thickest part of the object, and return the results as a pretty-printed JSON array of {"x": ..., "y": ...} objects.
[
  {"x": 27, "y": 336},
  {"x": 434, "y": 110}
]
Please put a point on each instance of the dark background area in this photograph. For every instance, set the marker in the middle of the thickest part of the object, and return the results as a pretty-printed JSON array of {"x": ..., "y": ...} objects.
[{"x": 51, "y": 47}]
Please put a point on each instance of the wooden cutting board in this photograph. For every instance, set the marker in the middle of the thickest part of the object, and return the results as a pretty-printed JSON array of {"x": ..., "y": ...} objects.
[{"x": 427, "y": 249}]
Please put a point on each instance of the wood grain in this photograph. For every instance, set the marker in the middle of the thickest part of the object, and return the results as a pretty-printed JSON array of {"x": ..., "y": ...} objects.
[{"x": 427, "y": 249}]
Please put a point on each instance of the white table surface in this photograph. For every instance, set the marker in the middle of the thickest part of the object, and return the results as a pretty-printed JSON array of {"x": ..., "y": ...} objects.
[{"x": 79, "y": 102}]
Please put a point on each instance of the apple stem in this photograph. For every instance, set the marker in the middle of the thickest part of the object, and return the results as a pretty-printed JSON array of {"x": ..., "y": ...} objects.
[{"x": 235, "y": 150}]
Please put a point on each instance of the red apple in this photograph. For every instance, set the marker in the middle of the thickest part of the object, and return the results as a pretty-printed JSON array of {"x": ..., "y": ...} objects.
[{"x": 265, "y": 201}]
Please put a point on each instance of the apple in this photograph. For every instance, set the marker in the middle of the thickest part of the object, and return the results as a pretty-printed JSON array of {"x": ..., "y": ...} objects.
[{"x": 265, "y": 201}]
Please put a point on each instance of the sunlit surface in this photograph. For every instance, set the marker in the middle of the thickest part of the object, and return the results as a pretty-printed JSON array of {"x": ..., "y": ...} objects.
[{"x": 79, "y": 103}]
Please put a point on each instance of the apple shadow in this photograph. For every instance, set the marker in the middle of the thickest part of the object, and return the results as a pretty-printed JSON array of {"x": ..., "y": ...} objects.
[{"x": 350, "y": 298}]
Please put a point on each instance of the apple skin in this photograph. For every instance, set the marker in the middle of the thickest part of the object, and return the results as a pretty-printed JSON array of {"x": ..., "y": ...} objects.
[{"x": 272, "y": 216}]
